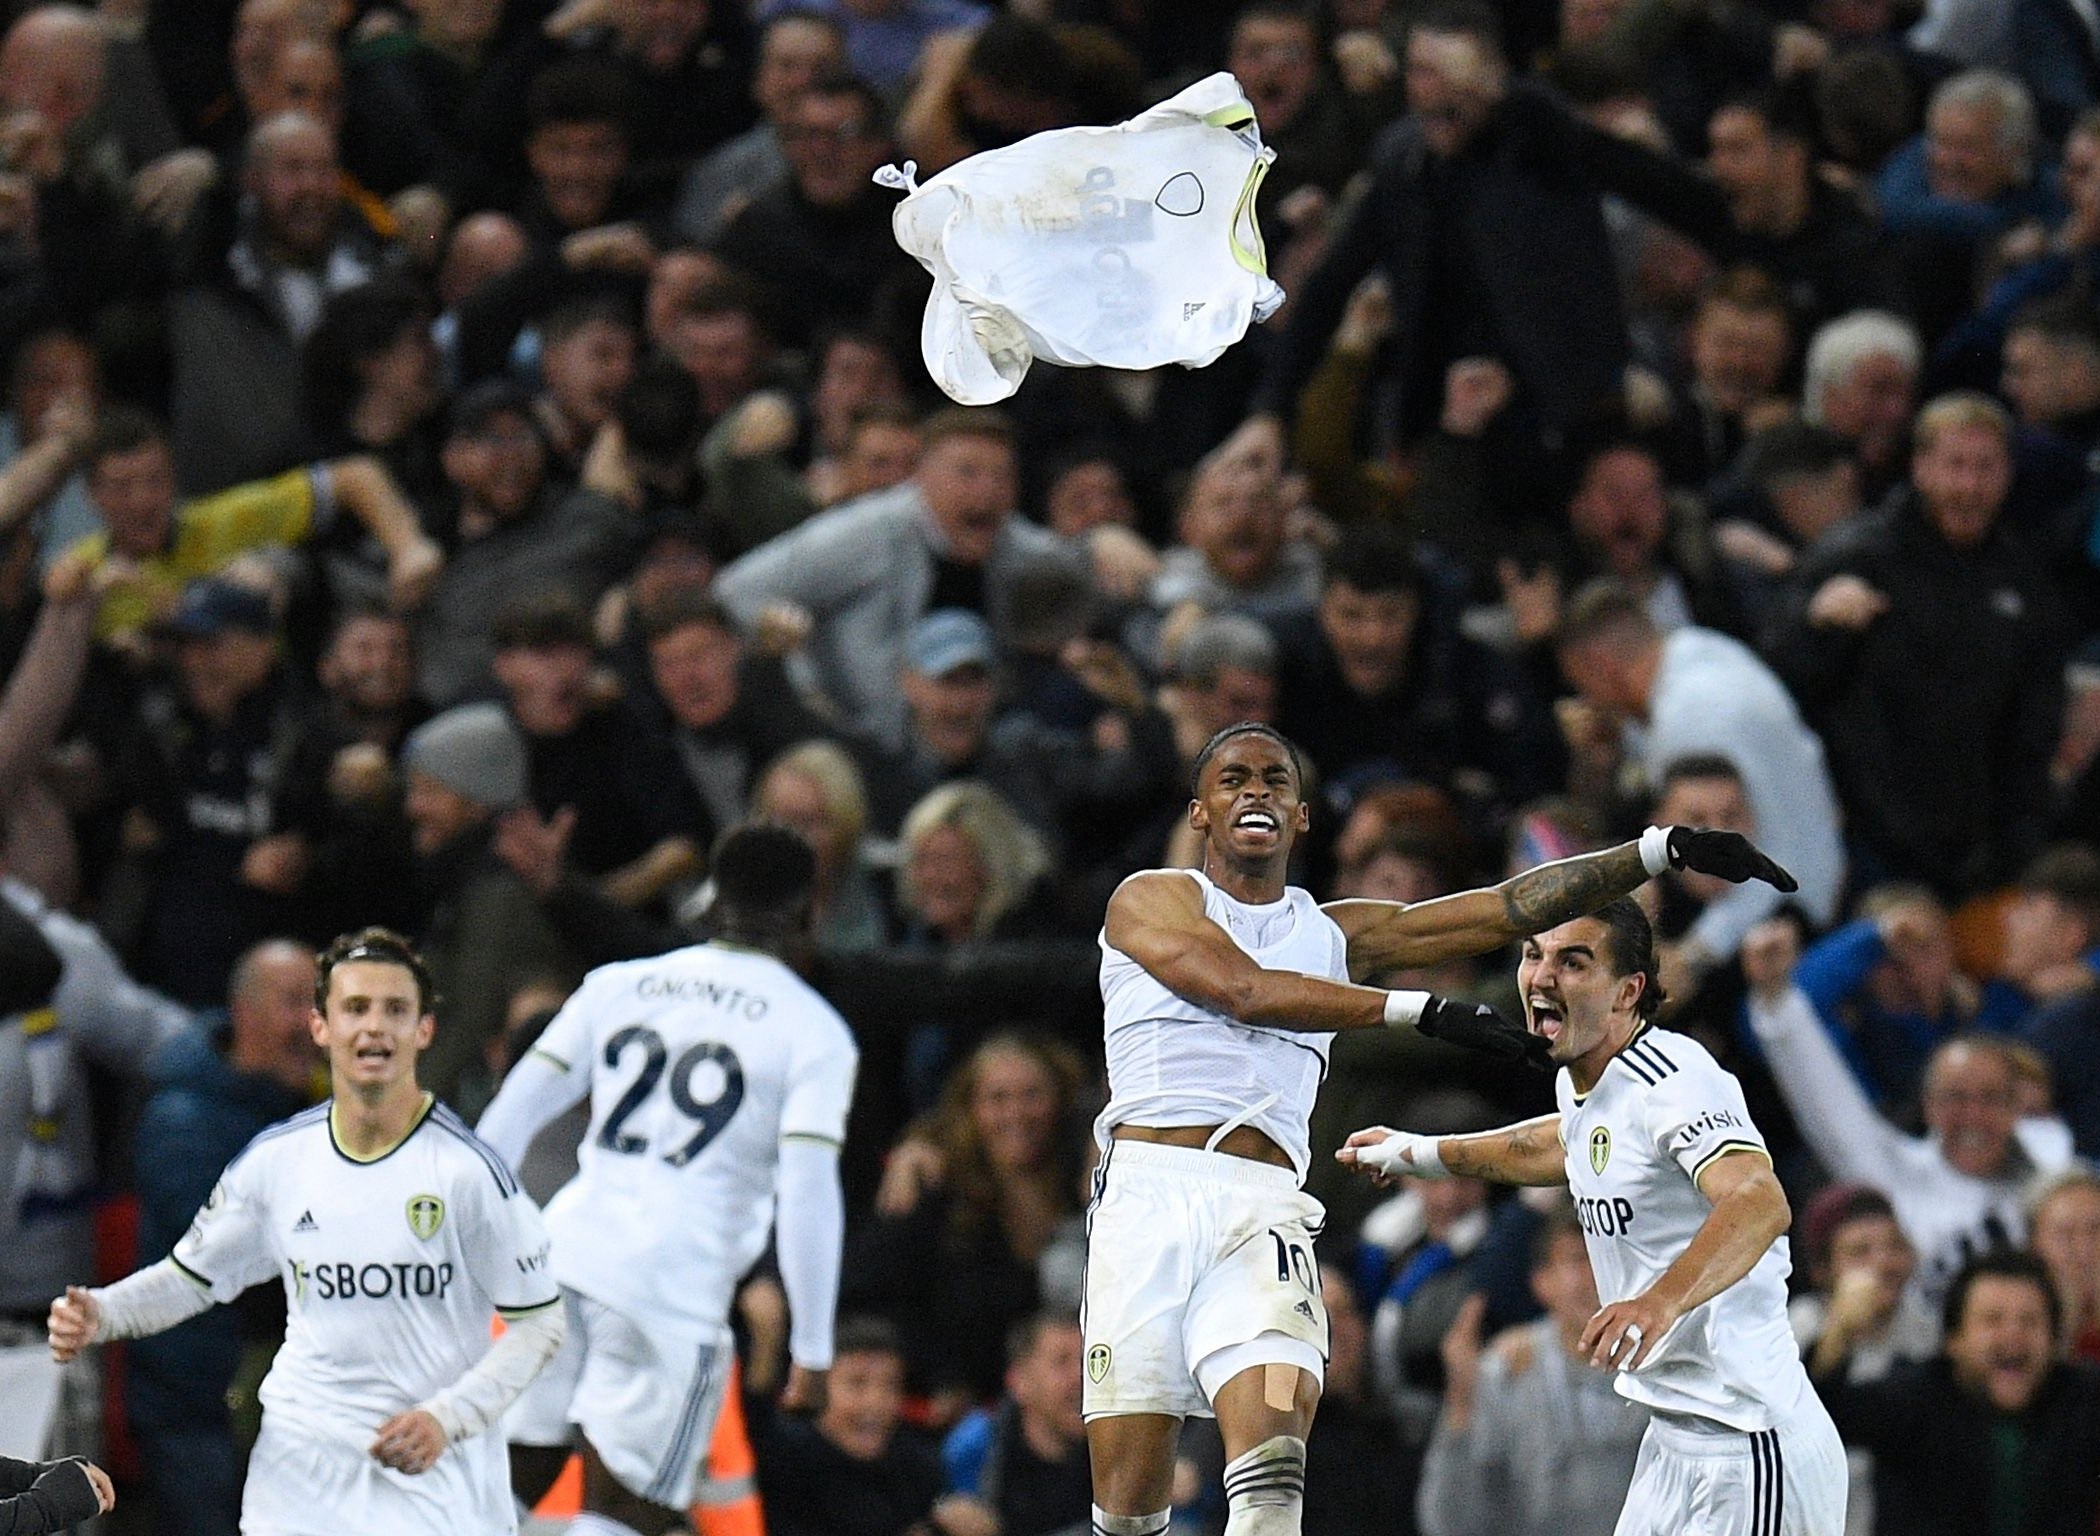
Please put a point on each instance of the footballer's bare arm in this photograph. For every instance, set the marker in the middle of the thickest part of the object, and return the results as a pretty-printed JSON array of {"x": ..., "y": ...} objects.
[
  {"x": 1385, "y": 935},
  {"x": 1157, "y": 919}
]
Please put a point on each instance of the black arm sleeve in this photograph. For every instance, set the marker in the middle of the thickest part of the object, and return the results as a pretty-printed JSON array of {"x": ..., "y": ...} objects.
[{"x": 61, "y": 1496}]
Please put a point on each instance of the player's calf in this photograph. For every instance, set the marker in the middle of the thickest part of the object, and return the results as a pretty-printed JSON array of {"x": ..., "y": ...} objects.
[{"x": 1265, "y": 1489}]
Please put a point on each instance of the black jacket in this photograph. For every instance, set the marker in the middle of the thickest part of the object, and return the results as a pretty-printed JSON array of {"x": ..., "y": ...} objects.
[
  {"x": 1940, "y": 717},
  {"x": 1936, "y": 1464},
  {"x": 1514, "y": 221}
]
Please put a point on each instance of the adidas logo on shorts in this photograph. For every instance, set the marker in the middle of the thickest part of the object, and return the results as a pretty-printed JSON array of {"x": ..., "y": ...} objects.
[
  {"x": 305, "y": 1223},
  {"x": 1304, "y": 1307}
]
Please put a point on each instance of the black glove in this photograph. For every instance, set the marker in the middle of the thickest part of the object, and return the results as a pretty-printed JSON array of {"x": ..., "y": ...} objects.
[
  {"x": 1730, "y": 855},
  {"x": 1478, "y": 1027}
]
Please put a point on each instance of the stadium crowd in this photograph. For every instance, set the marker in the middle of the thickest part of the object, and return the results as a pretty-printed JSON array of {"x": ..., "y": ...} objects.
[{"x": 459, "y": 457}]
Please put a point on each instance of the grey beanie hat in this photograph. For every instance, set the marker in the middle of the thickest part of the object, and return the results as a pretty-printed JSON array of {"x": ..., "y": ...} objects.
[{"x": 473, "y": 750}]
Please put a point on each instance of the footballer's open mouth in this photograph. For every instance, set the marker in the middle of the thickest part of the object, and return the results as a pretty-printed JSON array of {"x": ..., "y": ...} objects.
[
  {"x": 1546, "y": 1016},
  {"x": 373, "y": 1053},
  {"x": 1259, "y": 823}
]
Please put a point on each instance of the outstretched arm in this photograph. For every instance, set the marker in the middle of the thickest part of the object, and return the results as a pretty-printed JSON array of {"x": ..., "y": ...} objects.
[
  {"x": 151, "y": 1301},
  {"x": 1385, "y": 936},
  {"x": 1528, "y": 1152},
  {"x": 1749, "y": 1214}
]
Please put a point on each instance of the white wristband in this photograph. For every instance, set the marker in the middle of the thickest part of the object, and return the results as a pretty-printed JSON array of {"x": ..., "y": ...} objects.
[
  {"x": 1406, "y": 1152},
  {"x": 1404, "y": 1008},
  {"x": 1655, "y": 850}
]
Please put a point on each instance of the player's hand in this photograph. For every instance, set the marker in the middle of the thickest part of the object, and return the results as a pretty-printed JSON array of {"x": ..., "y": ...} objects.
[
  {"x": 1730, "y": 855},
  {"x": 1623, "y": 1335},
  {"x": 1386, "y": 1154},
  {"x": 1478, "y": 1027},
  {"x": 410, "y": 1442},
  {"x": 105, "y": 1490},
  {"x": 805, "y": 1392},
  {"x": 74, "y": 1323}
]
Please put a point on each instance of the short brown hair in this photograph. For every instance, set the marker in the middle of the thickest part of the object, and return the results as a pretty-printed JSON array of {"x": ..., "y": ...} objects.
[
  {"x": 382, "y": 946},
  {"x": 966, "y": 421}
]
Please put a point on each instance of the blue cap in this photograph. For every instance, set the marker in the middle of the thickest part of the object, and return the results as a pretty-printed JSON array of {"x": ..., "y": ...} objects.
[
  {"x": 213, "y": 606},
  {"x": 947, "y": 639}
]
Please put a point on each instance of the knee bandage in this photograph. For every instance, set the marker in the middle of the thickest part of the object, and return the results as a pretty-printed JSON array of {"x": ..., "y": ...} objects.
[
  {"x": 1106, "y": 1524},
  {"x": 1265, "y": 1489}
]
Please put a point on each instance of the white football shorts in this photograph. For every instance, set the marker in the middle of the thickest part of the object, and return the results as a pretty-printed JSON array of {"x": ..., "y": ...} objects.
[
  {"x": 1199, "y": 1265},
  {"x": 300, "y": 1484},
  {"x": 1696, "y": 1478},
  {"x": 646, "y": 1396}
]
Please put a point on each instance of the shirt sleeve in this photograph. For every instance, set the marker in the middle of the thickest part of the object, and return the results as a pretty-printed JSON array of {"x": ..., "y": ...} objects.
[
  {"x": 821, "y": 1090},
  {"x": 227, "y": 1248},
  {"x": 506, "y": 1246},
  {"x": 1696, "y": 1111},
  {"x": 284, "y": 509}
]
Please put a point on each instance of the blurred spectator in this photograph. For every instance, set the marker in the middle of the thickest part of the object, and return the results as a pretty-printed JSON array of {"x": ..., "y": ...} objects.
[
  {"x": 405, "y": 87},
  {"x": 2063, "y": 1219},
  {"x": 1741, "y": 343},
  {"x": 2052, "y": 380},
  {"x": 1305, "y": 115},
  {"x": 484, "y": 935},
  {"x": 215, "y": 1086},
  {"x": 1412, "y": 1255},
  {"x": 1381, "y": 678},
  {"x": 1792, "y": 484},
  {"x": 54, "y": 383},
  {"x": 1697, "y": 692},
  {"x": 1439, "y": 219},
  {"x": 577, "y": 150},
  {"x": 590, "y": 760},
  {"x": 1926, "y": 644},
  {"x": 1968, "y": 179},
  {"x": 367, "y": 676},
  {"x": 729, "y": 710},
  {"x": 819, "y": 238},
  {"x": 864, "y": 573},
  {"x": 234, "y": 336},
  {"x": 1862, "y": 383},
  {"x": 1532, "y": 1439},
  {"x": 884, "y": 38},
  {"x": 1862, "y": 1314},
  {"x": 153, "y": 543},
  {"x": 1889, "y": 991},
  {"x": 969, "y": 1200},
  {"x": 1997, "y": 1434},
  {"x": 1059, "y": 781},
  {"x": 796, "y": 49},
  {"x": 588, "y": 349},
  {"x": 224, "y": 790},
  {"x": 1025, "y": 1458},
  {"x": 1235, "y": 554},
  {"x": 97, "y": 1018},
  {"x": 855, "y": 1470},
  {"x": 513, "y": 534},
  {"x": 1956, "y": 1190},
  {"x": 816, "y": 790},
  {"x": 2057, "y": 57}
]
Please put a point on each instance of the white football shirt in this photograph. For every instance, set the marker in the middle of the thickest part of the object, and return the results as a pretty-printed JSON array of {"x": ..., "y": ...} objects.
[
  {"x": 701, "y": 1062},
  {"x": 1635, "y": 1146},
  {"x": 393, "y": 1268},
  {"x": 1173, "y": 1062}
]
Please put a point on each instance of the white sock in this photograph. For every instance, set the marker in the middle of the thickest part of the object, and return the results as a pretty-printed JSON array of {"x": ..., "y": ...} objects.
[
  {"x": 1106, "y": 1524},
  {"x": 589, "y": 1524},
  {"x": 1265, "y": 1489}
]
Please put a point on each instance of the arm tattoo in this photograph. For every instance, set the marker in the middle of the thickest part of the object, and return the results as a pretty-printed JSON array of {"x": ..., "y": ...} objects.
[{"x": 1554, "y": 893}]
